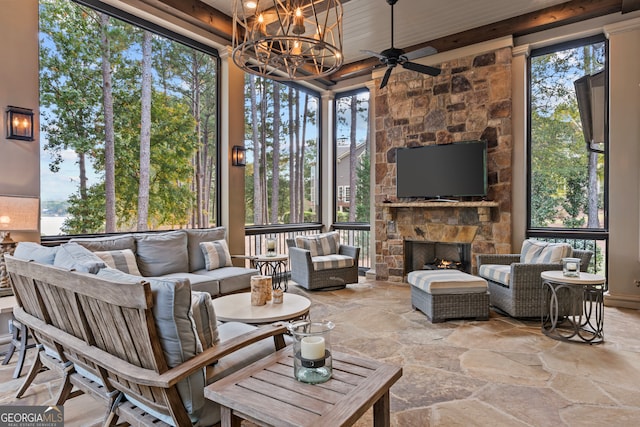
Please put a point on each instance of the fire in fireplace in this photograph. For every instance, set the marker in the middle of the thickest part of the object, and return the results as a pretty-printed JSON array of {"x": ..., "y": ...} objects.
[
  {"x": 444, "y": 264},
  {"x": 429, "y": 255}
]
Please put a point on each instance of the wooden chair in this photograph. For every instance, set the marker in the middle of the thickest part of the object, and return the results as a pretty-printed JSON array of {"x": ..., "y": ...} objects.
[{"x": 107, "y": 330}]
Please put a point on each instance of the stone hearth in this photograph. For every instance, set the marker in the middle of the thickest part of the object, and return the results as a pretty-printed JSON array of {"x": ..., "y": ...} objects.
[{"x": 469, "y": 100}]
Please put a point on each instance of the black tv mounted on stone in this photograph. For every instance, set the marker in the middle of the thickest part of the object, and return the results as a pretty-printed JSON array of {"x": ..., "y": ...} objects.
[{"x": 440, "y": 171}]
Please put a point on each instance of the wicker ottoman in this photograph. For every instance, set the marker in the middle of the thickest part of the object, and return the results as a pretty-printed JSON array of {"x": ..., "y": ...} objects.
[{"x": 449, "y": 294}]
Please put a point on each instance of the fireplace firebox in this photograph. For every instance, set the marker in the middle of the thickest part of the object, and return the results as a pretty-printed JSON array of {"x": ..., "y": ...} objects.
[{"x": 429, "y": 255}]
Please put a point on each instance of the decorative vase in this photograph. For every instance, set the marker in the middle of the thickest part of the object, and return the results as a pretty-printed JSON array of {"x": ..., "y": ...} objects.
[{"x": 312, "y": 361}]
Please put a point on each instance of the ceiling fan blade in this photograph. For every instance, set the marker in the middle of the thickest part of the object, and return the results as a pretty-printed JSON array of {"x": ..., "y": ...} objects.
[
  {"x": 424, "y": 69},
  {"x": 372, "y": 53},
  {"x": 385, "y": 79},
  {"x": 415, "y": 54}
]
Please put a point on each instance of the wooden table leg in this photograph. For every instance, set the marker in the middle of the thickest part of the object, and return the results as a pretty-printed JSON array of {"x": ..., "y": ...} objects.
[
  {"x": 381, "y": 411},
  {"x": 227, "y": 418}
]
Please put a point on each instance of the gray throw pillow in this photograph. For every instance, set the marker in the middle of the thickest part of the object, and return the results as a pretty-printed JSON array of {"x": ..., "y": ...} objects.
[
  {"x": 124, "y": 260},
  {"x": 216, "y": 254},
  {"x": 31, "y": 251},
  {"x": 195, "y": 237},
  {"x": 162, "y": 253},
  {"x": 72, "y": 256}
]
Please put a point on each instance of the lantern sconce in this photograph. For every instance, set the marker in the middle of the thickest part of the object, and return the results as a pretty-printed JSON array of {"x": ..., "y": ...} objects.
[
  {"x": 19, "y": 123},
  {"x": 238, "y": 156}
]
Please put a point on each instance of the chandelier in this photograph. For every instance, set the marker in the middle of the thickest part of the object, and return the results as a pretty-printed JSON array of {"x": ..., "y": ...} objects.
[{"x": 287, "y": 39}]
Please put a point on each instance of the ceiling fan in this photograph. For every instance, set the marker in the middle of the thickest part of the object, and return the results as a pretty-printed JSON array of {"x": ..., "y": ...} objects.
[{"x": 393, "y": 56}]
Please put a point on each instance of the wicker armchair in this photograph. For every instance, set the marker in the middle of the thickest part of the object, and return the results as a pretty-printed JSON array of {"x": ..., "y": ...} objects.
[
  {"x": 305, "y": 270},
  {"x": 522, "y": 295}
]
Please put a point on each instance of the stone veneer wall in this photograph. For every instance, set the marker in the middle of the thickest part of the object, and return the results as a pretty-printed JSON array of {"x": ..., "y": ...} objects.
[{"x": 469, "y": 100}]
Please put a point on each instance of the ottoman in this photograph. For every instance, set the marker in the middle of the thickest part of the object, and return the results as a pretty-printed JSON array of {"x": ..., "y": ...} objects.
[{"x": 449, "y": 294}]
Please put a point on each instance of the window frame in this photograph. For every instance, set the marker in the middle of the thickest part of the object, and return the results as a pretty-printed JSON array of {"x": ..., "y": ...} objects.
[
  {"x": 336, "y": 200},
  {"x": 600, "y": 233},
  {"x": 179, "y": 38}
]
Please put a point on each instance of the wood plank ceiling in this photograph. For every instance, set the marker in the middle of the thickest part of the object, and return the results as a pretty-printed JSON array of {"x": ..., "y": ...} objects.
[{"x": 419, "y": 23}]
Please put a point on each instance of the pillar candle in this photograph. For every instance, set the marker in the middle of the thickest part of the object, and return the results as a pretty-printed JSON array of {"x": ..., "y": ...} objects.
[{"x": 312, "y": 348}]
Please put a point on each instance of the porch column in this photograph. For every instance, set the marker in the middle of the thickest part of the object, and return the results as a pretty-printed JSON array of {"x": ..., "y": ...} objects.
[
  {"x": 327, "y": 165},
  {"x": 231, "y": 185}
]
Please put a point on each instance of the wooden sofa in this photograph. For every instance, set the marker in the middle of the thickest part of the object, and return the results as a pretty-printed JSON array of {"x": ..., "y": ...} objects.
[{"x": 104, "y": 339}]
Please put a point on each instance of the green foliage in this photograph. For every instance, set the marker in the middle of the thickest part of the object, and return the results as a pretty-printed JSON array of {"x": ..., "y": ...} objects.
[{"x": 363, "y": 208}]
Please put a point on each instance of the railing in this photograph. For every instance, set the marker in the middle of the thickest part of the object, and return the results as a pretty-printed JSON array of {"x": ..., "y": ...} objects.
[
  {"x": 584, "y": 241},
  {"x": 350, "y": 234}
]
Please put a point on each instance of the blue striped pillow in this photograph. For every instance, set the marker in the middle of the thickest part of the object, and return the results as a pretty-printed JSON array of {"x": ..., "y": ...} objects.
[{"x": 216, "y": 254}]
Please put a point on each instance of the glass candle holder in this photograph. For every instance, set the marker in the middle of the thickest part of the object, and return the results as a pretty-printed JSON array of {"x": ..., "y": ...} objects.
[
  {"x": 571, "y": 267},
  {"x": 271, "y": 246},
  {"x": 312, "y": 361}
]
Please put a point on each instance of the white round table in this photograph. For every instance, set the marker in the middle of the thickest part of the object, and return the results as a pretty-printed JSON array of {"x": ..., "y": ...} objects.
[
  {"x": 575, "y": 307},
  {"x": 238, "y": 308}
]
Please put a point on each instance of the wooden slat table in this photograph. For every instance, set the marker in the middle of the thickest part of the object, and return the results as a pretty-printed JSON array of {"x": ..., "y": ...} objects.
[{"x": 266, "y": 393}]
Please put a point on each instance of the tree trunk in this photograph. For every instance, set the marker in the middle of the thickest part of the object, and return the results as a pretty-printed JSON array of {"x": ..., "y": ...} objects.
[
  {"x": 275, "y": 170},
  {"x": 302, "y": 145},
  {"x": 109, "y": 134},
  {"x": 353, "y": 159},
  {"x": 593, "y": 221},
  {"x": 264, "y": 208},
  {"x": 145, "y": 133},
  {"x": 293, "y": 153},
  {"x": 257, "y": 193}
]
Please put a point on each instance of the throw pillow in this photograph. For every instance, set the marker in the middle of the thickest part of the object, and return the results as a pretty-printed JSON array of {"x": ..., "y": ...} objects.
[
  {"x": 537, "y": 252},
  {"x": 204, "y": 316},
  {"x": 197, "y": 235},
  {"x": 72, "y": 256},
  {"x": 216, "y": 254},
  {"x": 162, "y": 253},
  {"x": 124, "y": 260},
  {"x": 31, "y": 251},
  {"x": 320, "y": 244}
]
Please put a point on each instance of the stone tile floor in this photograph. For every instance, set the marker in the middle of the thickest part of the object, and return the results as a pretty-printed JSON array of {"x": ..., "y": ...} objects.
[{"x": 501, "y": 372}]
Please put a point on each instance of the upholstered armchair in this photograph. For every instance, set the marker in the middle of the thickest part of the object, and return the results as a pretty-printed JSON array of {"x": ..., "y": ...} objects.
[
  {"x": 515, "y": 286},
  {"x": 320, "y": 262}
]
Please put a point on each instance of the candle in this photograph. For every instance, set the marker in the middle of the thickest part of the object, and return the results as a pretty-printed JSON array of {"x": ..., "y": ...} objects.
[
  {"x": 271, "y": 244},
  {"x": 312, "y": 348},
  {"x": 572, "y": 266}
]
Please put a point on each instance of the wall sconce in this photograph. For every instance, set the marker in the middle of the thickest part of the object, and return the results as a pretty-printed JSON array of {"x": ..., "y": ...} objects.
[
  {"x": 19, "y": 123},
  {"x": 238, "y": 156}
]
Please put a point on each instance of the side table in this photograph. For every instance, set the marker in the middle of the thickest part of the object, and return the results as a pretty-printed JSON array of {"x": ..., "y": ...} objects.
[
  {"x": 582, "y": 318},
  {"x": 274, "y": 266}
]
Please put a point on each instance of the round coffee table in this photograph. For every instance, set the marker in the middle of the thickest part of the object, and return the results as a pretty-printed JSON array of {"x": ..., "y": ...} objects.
[
  {"x": 238, "y": 308},
  {"x": 575, "y": 307}
]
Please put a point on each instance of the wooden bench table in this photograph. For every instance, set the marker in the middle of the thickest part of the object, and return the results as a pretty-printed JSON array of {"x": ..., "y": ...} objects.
[{"x": 266, "y": 393}]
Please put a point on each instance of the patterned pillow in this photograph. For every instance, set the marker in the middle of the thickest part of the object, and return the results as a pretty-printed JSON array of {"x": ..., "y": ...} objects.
[
  {"x": 123, "y": 260},
  {"x": 204, "y": 317},
  {"x": 537, "y": 252},
  {"x": 320, "y": 244},
  {"x": 216, "y": 254}
]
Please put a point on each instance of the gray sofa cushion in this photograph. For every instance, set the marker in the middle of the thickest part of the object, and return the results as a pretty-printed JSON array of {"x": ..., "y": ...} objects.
[
  {"x": 176, "y": 331},
  {"x": 31, "y": 251},
  {"x": 72, "y": 256},
  {"x": 204, "y": 316},
  {"x": 194, "y": 238},
  {"x": 162, "y": 253},
  {"x": 199, "y": 282},
  {"x": 230, "y": 279},
  {"x": 107, "y": 243}
]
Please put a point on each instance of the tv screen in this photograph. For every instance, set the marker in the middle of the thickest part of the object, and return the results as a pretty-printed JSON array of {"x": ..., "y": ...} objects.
[{"x": 437, "y": 171}]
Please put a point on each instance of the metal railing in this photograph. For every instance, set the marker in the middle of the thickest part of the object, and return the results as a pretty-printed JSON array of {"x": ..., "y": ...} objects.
[
  {"x": 350, "y": 234},
  {"x": 594, "y": 243}
]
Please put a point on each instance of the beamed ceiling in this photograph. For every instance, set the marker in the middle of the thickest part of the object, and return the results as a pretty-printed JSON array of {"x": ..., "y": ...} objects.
[{"x": 445, "y": 25}]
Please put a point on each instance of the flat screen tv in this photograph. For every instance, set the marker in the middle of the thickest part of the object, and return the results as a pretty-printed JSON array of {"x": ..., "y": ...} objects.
[{"x": 440, "y": 171}]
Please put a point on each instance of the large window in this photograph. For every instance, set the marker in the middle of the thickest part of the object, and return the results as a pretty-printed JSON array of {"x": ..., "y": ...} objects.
[
  {"x": 129, "y": 123},
  {"x": 352, "y": 157},
  {"x": 568, "y": 143},
  {"x": 282, "y": 134}
]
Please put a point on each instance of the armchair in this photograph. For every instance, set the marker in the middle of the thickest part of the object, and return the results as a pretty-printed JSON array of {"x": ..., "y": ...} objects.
[
  {"x": 321, "y": 262},
  {"x": 515, "y": 286}
]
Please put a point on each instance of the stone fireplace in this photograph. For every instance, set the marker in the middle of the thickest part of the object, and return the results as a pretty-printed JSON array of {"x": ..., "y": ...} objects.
[{"x": 469, "y": 100}]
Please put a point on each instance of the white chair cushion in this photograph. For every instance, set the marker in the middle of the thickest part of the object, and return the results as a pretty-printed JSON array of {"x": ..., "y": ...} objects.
[
  {"x": 330, "y": 262},
  {"x": 496, "y": 273},
  {"x": 447, "y": 282}
]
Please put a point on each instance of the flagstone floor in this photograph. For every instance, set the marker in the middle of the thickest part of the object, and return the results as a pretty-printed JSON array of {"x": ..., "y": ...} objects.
[{"x": 500, "y": 372}]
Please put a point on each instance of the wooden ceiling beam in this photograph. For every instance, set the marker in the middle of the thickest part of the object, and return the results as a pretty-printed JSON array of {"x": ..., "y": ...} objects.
[
  {"x": 630, "y": 5},
  {"x": 544, "y": 19},
  {"x": 199, "y": 14}
]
